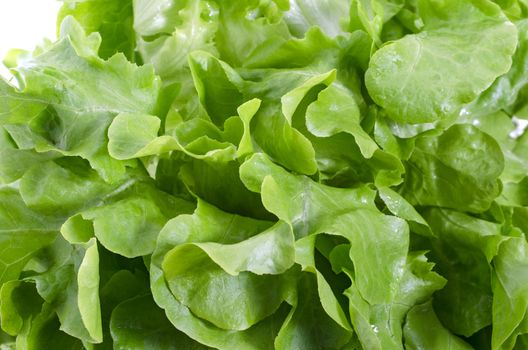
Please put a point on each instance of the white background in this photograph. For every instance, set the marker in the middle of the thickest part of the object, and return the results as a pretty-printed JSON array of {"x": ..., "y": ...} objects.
[{"x": 24, "y": 23}]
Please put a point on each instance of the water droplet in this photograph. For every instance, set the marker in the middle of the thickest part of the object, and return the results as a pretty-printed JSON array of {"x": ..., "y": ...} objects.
[
  {"x": 418, "y": 23},
  {"x": 159, "y": 21},
  {"x": 463, "y": 112},
  {"x": 253, "y": 14},
  {"x": 211, "y": 10},
  {"x": 520, "y": 127},
  {"x": 445, "y": 107}
]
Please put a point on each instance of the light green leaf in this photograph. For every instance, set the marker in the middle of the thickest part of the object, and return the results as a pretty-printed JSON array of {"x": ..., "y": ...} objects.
[
  {"x": 15, "y": 107},
  {"x": 14, "y": 162},
  {"x": 298, "y": 200},
  {"x": 208, "y": 224},
  {"x": 247, "y": 287},
  {"x": 398, "y": 206},
  {"x": 269, "y": 252},
  {"x": 510, "y": 302},
  {"x": 77, "y": 230},
  {"x": 504, "y": 91},
  {"x": 254, "y": 24},
  {"x": 22, "y": 233},
  {"x": 135, "y": 135},
  {"x": 170, "y": 30},
  {"x": 380, "y": 326},
  {"x": 71, "y": 285},
  {"x": 329, "y": 15},
  {"x": 86, "y": 97},
  {"x": 113, "y": 20},
  {"x": 291, "y": 101},
  {"x": 336, "y": 111},
  {"x": 246, "y": 112},
  {"x": 129, "y": 223},
  {"x": 42, "y": 187},
  {"x": 378, "y": 271},
  {"x": 401, "y": 74},
  {"x": 88, "y": 295},
  {"x": 88, "y": 83},
  {"x": 283, "y": 143}
]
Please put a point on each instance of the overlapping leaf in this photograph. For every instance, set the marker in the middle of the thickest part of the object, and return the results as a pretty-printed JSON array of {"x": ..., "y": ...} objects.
[{"x": 252, "y": 174}]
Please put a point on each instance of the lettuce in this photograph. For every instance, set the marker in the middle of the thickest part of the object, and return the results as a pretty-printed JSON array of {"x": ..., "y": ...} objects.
[{"x": 206, "y": 174}]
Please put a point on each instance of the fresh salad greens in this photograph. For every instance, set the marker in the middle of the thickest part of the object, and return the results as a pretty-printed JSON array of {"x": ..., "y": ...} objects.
[{"x": 268, "y": 174}]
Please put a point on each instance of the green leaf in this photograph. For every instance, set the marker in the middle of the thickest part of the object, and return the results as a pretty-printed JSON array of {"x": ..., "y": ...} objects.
[
  {"x": 329, "y": 15},
  {"x": 129, "y": 223},
  {"x": 85, "y": 99},
  {"x": 130, "y": 226},
  {"x": 134, "y": 136},
  {"x": 22, "y": 234},
  {"x": 270, "y": 252},
  {"x": 463, "y": 251},
  {"x": 44, "y": 329},
  {"x": 314, "y": 47},
  {"x": 502, "y": 128},
  {"x": 88, "y": 295},
  {"x": 305, "y": 252},
  {"x": 254, "y": 24},
  {"x": 385, "y": 266},
  {"x": 246, "y": 112},
  {"x": 14, "y": 162},
  {"x": 113, "y": 20},
  {"x": 250, "y": 285},
  {"x": 267, "y": 174},
  {"x": 505, "y": 90},
  {"x": 308, "y": 326},
  {"x": 336, "y": 111},
  {"x": 298, "y": 200},
  {"x": 42, "y": 187},
  {"x": 20, "y": 303},
  {"x": 380, "y": 326},
  {"x": 71, "y": 286},
  {"x": 283, "y": 143},
  {"x": 398, "y": 206},
  {"x": 217, "y": 86},
  {"x": 16, "y": 107},
  {"x": 401, "y": 73},
  {"x": 290, "y": 101},
  {"x": 423, "y": 330},
  {"x": 208, "y": 224},
  {"x": 510, "y": 301},
  {"x": 170, "y": 30},
  {"x": 458, "y": 169},
  {"x": 206, "y": 179},
  {"x": 87, "y": 82},
  {"x": 138, "y": 323}
]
